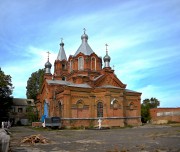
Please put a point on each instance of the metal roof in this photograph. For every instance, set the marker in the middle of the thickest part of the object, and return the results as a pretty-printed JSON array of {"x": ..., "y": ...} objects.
[
  {"x": 127, "y": 90},
  {"x": 58, "y": 82},
  {"x": 84, "y": 85},
  {"x": 109, "y": 86},
  {"x": 67, "y": 83},
  {"x": 61, "y": 55},
  {"x": 23, "y": 102},
  {"x": 84, "y": 47}
]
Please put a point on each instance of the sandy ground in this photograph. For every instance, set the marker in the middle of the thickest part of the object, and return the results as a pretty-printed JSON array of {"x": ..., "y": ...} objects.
[{"x": 148, "y": 138}]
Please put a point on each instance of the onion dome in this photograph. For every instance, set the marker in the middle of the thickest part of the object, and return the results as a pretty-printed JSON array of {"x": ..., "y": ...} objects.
[
  {"x": 48, "y": 66},
  {"x": 84, "y": 47},
  {"x": 84, "y": 37},
  {"x": 106, "y": 58}
]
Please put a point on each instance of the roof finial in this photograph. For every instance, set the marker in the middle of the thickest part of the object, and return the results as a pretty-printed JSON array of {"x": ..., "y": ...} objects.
[
  {"x": 48, "y": 65},
  {"x": 106, "y": 58},
  {"x": 61, "y": 44},
  {"x": 48, "y": 54},
  {"x": 84, "y": 30},
  {"x": 106, "y": 48}
]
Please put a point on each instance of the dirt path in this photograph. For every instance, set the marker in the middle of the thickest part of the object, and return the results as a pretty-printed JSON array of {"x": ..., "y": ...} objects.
[{"x": 140, "y": 139}]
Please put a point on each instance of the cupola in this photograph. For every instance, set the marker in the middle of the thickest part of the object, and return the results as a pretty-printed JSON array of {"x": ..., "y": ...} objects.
[
  {"x": 84, "y": 47},
  {"x": 106, "y": 59},
  {"x": 48, "y": 66},
  {"x": 84, "y": 37}
]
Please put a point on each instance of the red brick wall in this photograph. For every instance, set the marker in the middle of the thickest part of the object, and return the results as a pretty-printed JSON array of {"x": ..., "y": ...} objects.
[
  {"x": 125, "y": 112},
  {"x": 36, "y": 124},
  {"x": 160, "y": 115}
]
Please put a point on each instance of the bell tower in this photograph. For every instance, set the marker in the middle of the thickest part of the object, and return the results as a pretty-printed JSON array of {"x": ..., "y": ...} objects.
[{"x": 61, "y": 64}]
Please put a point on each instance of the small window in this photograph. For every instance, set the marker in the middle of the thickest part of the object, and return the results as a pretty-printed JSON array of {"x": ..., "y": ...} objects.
[
  {"x": 115, "y": 105},
  {"x": 20, "y": 110},
  {"x": 64, "y": 78},
  {"x": 93, "y": 63},
  {"x": 29, "y": 102},
  {"x": 63, "y": 66},
  {"x": 13, "y": 109},
  {"x": 131, "y": 106},
  {"x": 80, "y": 105}
]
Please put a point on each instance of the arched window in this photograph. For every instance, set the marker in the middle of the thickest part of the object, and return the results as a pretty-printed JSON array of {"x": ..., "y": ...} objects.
[
  {"x": 71, "y": 65},
  {"x": 63, "y": 66},
  {"x": 80, "y": 104},
  {"x": 100, "y": 109},
  {"x": 115, "y": 105},
  {"x": 80, "y": 63},
  {"x": 93, "y": 63},
  {"x": 131, "y": 106},
  {"x": 64, "y": 78}
]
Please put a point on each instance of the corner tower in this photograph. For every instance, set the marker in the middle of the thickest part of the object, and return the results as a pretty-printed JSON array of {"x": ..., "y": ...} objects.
[{"x": 61, "y": 64}]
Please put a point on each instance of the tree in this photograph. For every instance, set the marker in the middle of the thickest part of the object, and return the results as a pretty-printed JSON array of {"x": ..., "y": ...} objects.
[
  {"x": 32, "y": 114},
  {"x": 6, "y": 89},
  {"x": 34, "y": 84},
  {"x": 146, "y": 106}
]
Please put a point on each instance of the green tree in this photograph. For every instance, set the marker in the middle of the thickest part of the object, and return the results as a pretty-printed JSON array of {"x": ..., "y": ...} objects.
[
  {"x": 146, "y": 106},
  {"x": 34, "y": 84},
  {"x": 6, "y": 89},
  {"x": 32, "y": 114}
]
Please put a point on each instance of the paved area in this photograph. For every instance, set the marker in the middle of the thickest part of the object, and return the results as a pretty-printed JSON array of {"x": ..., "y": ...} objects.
[{"x": 139, "y": 139}]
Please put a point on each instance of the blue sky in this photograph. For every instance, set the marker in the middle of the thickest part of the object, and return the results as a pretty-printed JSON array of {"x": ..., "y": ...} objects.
[{"x": 143, "y": 38}]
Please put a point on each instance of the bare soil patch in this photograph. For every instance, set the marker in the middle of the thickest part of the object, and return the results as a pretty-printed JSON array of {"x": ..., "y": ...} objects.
[{"x": 148, "y": 138}]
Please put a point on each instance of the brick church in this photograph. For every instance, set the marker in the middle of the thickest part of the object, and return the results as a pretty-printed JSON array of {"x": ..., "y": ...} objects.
[{"x": 83, "y": 90}]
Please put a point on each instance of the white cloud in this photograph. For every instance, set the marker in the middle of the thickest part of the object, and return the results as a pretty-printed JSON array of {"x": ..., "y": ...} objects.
[
  {"x": 149, "y": 91},
  {"x": 164, "y": 95},
  {"x": 20, "y": 72},
  {"x": 142, "y": 38}
]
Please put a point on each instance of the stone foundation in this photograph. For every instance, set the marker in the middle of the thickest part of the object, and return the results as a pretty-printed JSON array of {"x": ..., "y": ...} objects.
[{"x": 107, "y": 122}]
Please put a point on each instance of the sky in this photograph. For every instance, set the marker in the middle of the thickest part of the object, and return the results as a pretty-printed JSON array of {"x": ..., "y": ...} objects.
[{"x": 143, "y": 38}]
